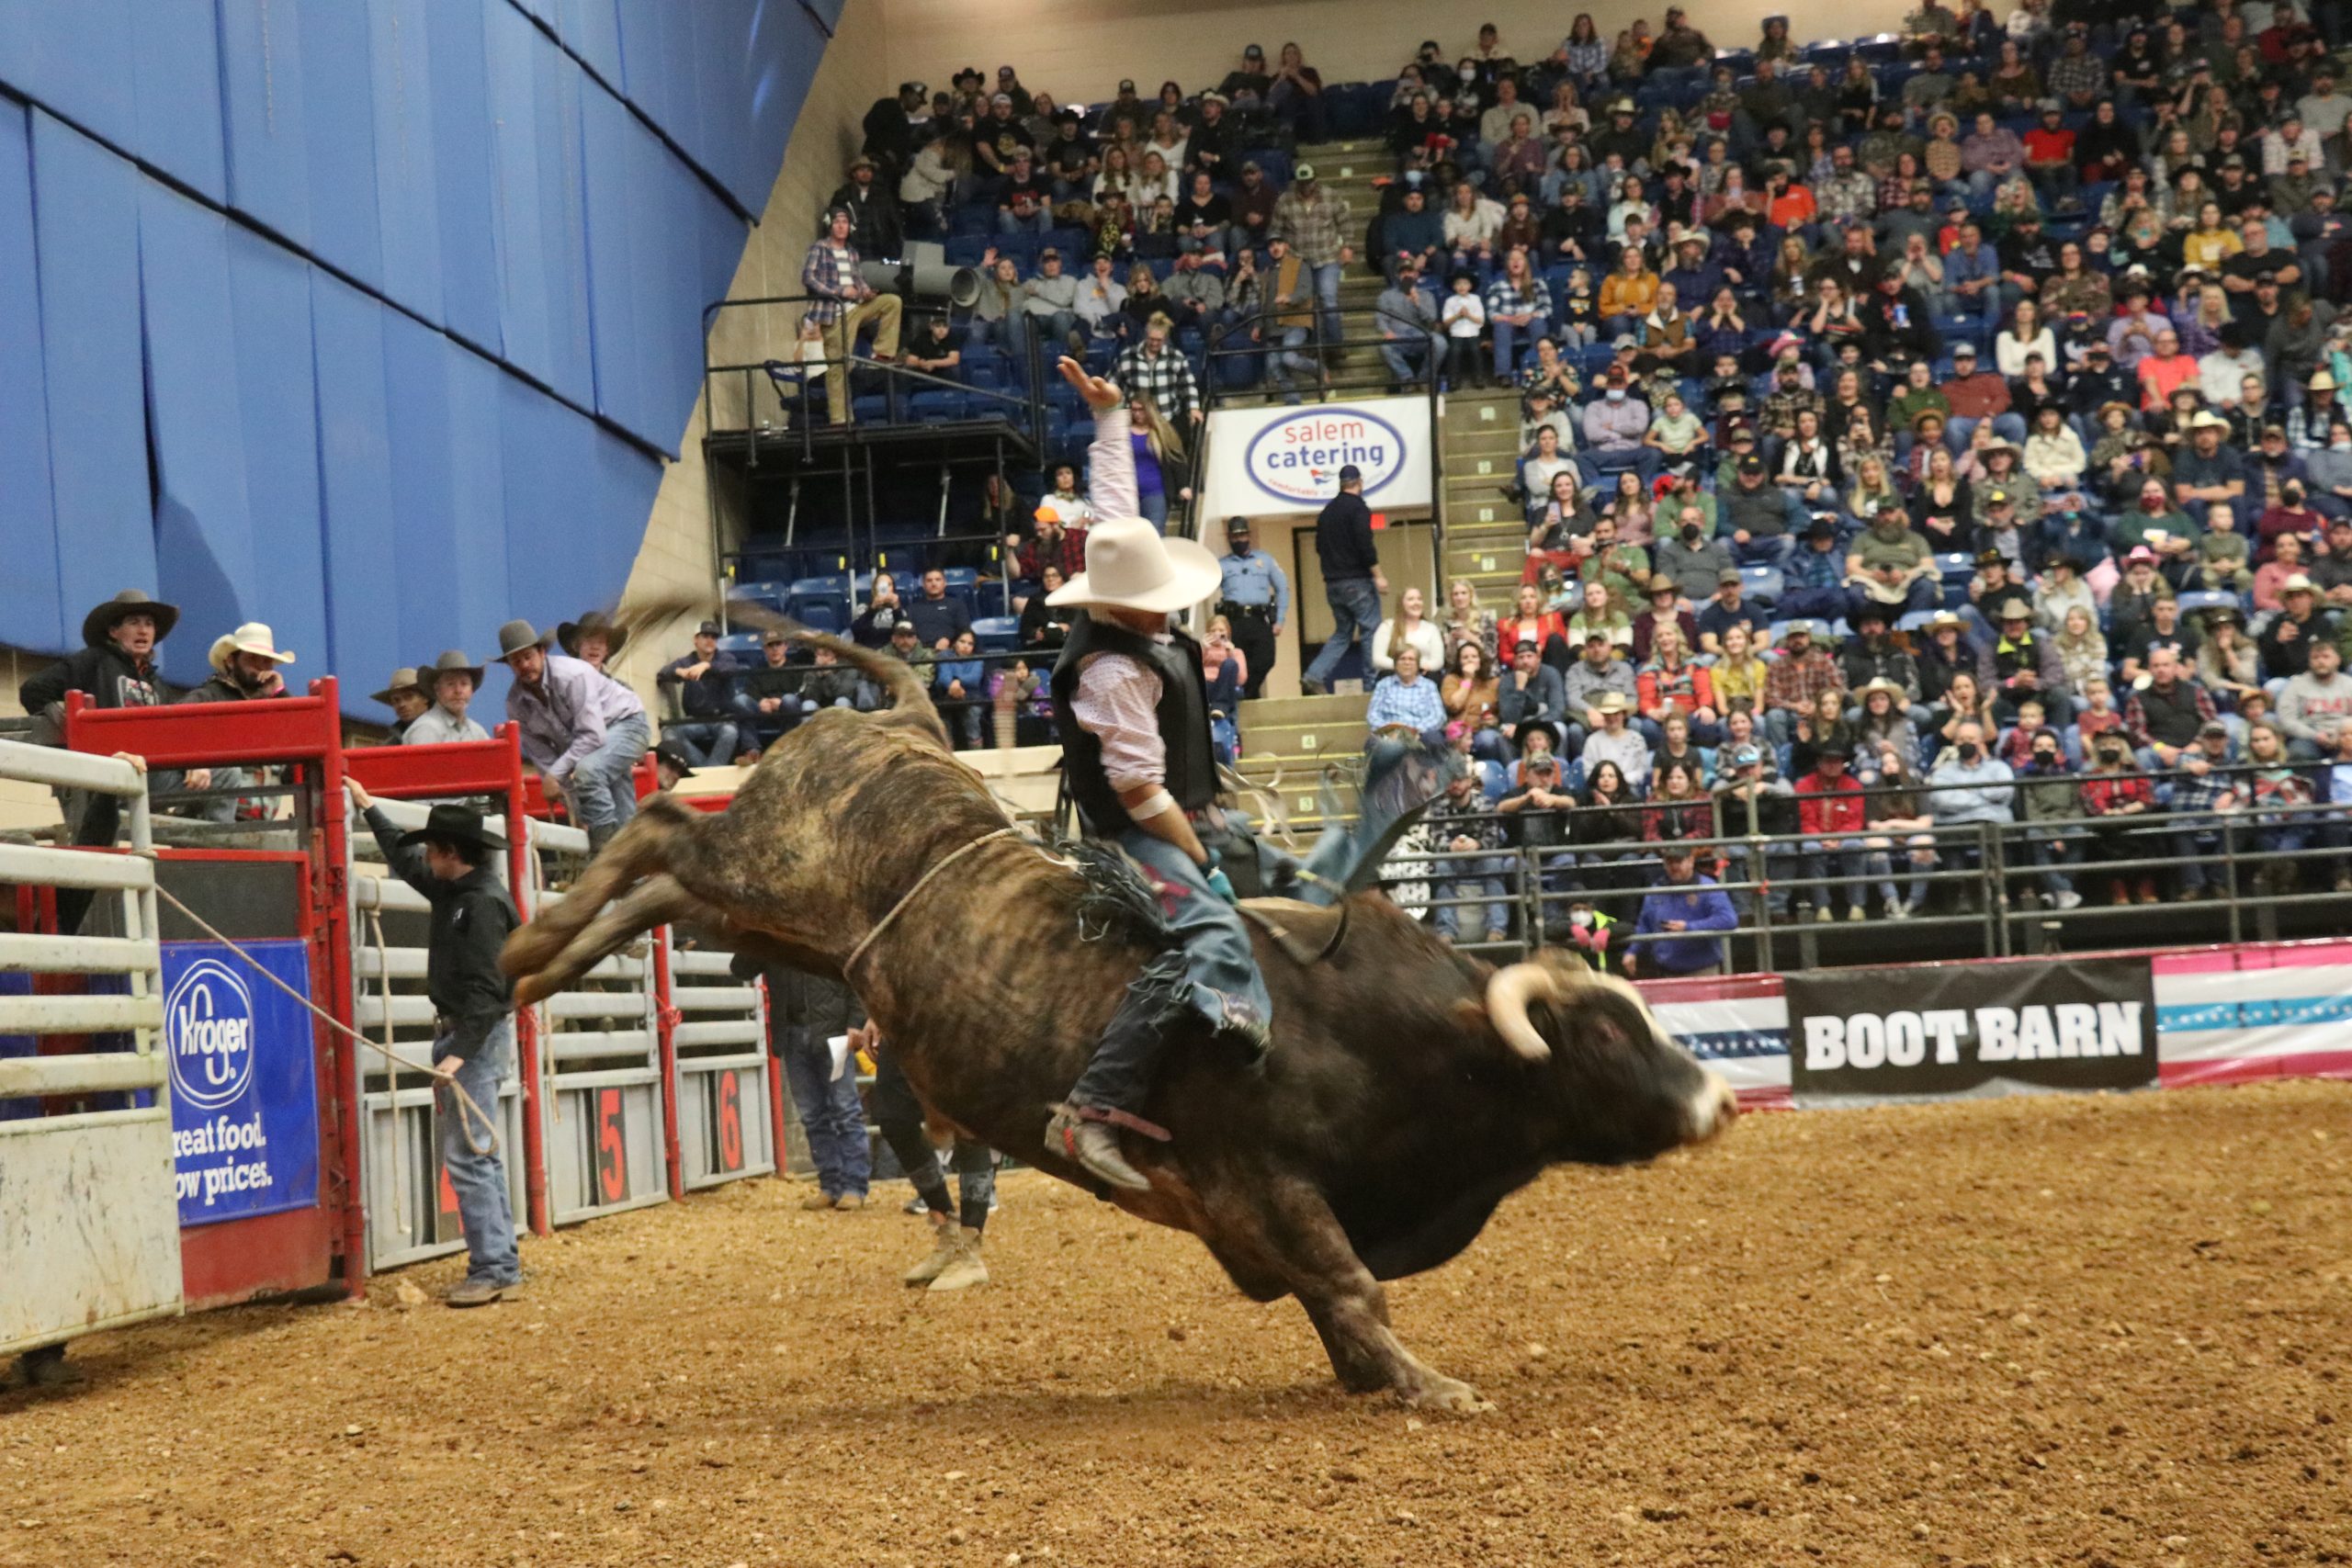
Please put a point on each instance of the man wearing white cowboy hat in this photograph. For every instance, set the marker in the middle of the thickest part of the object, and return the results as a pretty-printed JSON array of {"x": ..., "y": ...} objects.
[
  {"x": 1139, "y": 763},
  {"x": 582, "y": 729},
  {"x": 451, "y": 681},
  {"x": 244, "y": 669}
]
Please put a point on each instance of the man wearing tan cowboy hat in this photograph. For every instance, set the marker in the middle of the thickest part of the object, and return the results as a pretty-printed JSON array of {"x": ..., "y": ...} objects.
[
  {"x": 408, "y": 699},
  {"x": 451, "y": 680},
  {"x": 582, "y": 729},
  {"x": 244, "y": 669}
]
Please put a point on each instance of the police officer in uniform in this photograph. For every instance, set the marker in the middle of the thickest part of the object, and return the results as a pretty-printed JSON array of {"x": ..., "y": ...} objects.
[{"x": 1256, "y": 599}]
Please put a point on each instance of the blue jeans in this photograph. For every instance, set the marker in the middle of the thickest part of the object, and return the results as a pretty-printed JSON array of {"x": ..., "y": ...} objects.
[
  {"x": 1473, "y": 877},
  {"x": 1766, "y": 549},
  {"x": 1036, "y": 223},
  {"x": 485, "y": 1208},
  {"x": 1153, "y": 505},
  {"x": 1326, "y": 290},
  {"x": 1509, "y": 341},
  {"x": 1291, "y": 358},
  {"x": 833, "y": 1117},
  {"x": 2009, "y": 427},
  {"x": 1408, "y": 357},
  {"x": 1355, "y": 616},
  {"x": 707, "y": 743},
  {"x": 603, "y": 794},
  {"x": 1831, "y": 857}
]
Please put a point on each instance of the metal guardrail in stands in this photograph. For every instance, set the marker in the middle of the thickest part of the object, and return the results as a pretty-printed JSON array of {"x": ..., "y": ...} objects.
[{"x": 2001, "y": 876}]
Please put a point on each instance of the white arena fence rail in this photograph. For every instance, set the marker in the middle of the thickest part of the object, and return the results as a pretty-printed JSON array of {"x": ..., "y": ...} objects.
[{"x": 90, "y": 1223}]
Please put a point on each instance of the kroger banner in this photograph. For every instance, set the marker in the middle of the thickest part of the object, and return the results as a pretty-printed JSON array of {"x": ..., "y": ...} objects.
[
  {"x": 1268, "y": 462},
  {"x": 1957, "y": 1029},
  {"x": 244, "y": 1096}
]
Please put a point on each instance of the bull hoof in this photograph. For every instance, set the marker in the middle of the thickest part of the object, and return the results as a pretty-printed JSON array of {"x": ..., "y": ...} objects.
[{"x": 1448, "y": 1396}]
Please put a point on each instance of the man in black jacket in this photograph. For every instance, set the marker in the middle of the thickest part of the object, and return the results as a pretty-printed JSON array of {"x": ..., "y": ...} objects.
[
  {"x": 874, "y": 228},
  {"x": 890, "y": 127},
  {"x": 1352, "y": 581},
  {"x": 447, "y": 861},
  {"x": 806, "y": 1012},
  {"x": 115, "y": 668}
]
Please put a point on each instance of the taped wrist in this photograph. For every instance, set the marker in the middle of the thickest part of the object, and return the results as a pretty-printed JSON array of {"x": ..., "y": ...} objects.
[{"x": 1152, "y": 805}]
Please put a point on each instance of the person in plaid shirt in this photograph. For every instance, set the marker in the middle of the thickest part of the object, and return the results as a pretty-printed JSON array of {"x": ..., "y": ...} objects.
[
  {"x": 1056, "y": 544},
  {"x": 1155, "y": 369},
  {"x": 1517, "y": 306},
  {"x": 841, "y": 303},
  {"x": 2200, "y": 792},
  {"x": 1794, "y": 683},
  {"x": 1316, "y": 224}
]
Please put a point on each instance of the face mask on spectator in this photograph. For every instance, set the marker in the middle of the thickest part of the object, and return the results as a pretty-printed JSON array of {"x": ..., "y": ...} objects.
[
  {"x": 1616, "y": 394},
  {"x": 1969, "y": 751},
  {"x": 1469, "y": 74},
  {"x": 1690, "y": 533}
]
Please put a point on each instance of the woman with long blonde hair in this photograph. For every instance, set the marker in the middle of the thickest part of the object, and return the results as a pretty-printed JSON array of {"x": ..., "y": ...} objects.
[
  {"x": 1468, "y": 621},
  {"x": 1162, "y": 469}
]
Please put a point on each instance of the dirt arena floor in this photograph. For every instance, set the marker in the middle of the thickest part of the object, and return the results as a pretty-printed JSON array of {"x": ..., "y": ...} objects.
[{"x": 2054, "y": 1331}]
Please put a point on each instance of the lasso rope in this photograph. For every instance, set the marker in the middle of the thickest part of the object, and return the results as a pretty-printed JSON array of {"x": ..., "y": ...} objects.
[{"x": 468, "y": 1111}]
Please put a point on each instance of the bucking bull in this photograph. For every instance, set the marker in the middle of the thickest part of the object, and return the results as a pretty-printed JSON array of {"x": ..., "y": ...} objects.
[{"x": 1409, "y": 1088}]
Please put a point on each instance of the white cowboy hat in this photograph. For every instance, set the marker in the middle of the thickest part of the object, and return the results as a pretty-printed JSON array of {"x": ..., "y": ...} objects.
[
  {"x": 1130, "y": 566},
  {"x": 253, "y": 637}
]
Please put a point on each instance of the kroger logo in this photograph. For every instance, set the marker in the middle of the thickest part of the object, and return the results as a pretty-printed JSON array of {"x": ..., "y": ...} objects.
[
  {"x": 209, "y": 1034},
  {"x": 1298, "y": 457}
]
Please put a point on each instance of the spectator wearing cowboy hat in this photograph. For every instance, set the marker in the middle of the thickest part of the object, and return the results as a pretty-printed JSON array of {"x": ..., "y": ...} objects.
[
  {"x": 448, "y": 861},
  {"x": 406, "y": 696},
  {"x": 244, "y": 669},
  {"x": 594, "y": 639},
  {"x": 453, "y": 679},
  {"x": 582, "y": 729},
  {"x": 115, "y": 668},
  {"x": 671, "y": 765}
]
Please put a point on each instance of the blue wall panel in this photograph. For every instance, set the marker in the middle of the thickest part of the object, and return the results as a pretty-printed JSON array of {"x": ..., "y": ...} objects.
[
  {"x": 46, "y": 54},
  {"x": 779, "y": 64},
  {"x": 261, "y": 91},
  {"x": 407, "y": 199},
  {"x": 355, "y": 486},
  {"x": 30, "y": 612},
  {"x": 828, "y": 12},
  {"x": 417, "y": 423},
  {"x": 269, "y": 293},
  {"x": 542, "y": 238},
  {"x": 338, "y": 116},
  {"x": 461, "y": 155},
  {"x": 85, "y": 223},
  {"x": 477, "y": 594},
  {"x": 204, "y": 524},
  {"x": 591, "y": 29},
  {"x": 176, "y": 71},
  {"x": 615, "y": 295},
  {"x": 569, "y": 483}
]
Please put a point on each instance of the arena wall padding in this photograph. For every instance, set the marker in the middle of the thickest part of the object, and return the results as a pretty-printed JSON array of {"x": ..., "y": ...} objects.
[
  {"x": 543, "y": 253},
  {"x": 417, "y": 423},
  {"x": 45, "y": 55},
  {"x": 262, "y": 110},
  {"x": 827, "y": 12},
  {"x": 269, "y": 290},
  {"x": 85, "y": 223},
  {"x": 204, "y": 525},
  {"x": 175, "y": 75},
  {"x": 461, "y": 162},
  {"x": 355, "y": 486},
  {"x": 591, "y": 29},
  {"x": 568, "y": 482},
  {"x": 407, "y": 201},
  {"x": 461, "y": 155},
  {"x": 32, "y": 613},
  {"x": 475, "y": 600},
  {"x": 339, "y": 117}
]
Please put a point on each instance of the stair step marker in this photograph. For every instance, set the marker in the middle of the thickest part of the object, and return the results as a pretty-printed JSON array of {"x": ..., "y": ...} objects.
[
  {"x": 1486, "y": 412},
  {"x": 1308, "y": 741},
  {"x": 1485, "y": 515}
]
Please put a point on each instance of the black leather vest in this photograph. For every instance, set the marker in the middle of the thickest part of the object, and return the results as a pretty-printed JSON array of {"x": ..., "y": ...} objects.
[{"x": 1183, "y": 715}]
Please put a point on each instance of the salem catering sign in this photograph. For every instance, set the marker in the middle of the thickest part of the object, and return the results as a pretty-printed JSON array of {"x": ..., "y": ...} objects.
[
  {"x": 1270, "y": 461},
  {"x": 1971, "y": 1028}
]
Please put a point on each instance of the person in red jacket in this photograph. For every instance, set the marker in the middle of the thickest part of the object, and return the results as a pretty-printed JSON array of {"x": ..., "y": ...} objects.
[{"x": 1829, "y": 814}]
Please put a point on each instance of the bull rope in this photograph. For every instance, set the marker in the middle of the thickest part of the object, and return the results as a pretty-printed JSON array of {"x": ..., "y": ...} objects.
[
  {"x": 920, "y": 883},
  {"x": 467, "y": 1106}
]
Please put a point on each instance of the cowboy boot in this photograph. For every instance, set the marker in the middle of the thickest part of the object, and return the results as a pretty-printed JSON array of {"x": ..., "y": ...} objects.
[
  {"x": 946, "y": 1246},
  {"x": 966, "y": 1267},
  {"x": 1093, "y": 1144},
  {"x": 1401, "y": 779}
]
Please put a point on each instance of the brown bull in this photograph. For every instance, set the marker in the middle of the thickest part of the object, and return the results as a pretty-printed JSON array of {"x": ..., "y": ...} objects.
[{"x": 1409, "y": 1090}]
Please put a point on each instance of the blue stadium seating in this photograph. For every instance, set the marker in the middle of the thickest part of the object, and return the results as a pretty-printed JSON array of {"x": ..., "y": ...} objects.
[{"x": 997, "y": 634}]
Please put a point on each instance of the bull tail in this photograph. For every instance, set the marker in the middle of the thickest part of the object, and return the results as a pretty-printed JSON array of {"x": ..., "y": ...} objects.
[{"x": 910, "y": 696}]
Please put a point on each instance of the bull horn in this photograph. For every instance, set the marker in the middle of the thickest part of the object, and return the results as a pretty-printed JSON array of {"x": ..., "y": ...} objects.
[{"x": 1508, "y": 994}]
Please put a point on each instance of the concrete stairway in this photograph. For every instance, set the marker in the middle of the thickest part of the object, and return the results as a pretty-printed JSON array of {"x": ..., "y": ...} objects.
[
  {"x": 1287, "y": 743},
  {"x": 1347, "y": 169},
  {"x": 1486, "y": 533}
]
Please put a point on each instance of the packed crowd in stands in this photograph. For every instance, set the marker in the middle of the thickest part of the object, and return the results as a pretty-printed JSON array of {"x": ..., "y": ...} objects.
[{"x": 1935, "y": 412}]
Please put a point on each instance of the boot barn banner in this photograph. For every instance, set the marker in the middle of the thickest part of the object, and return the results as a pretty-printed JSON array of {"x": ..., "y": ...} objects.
[
  {"x": 1947, "y": 1030},
  {"x": 1272, "y": 462},
  {"x": 244, "y": 1087}
]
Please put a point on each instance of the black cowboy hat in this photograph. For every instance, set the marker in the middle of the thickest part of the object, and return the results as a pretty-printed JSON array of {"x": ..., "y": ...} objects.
[
  {"x": 570, "y": 633},
  {"x": 452, "y": 824},
  {"x": 114, "y": 611},
  {"x": 668, "y": 752}
]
